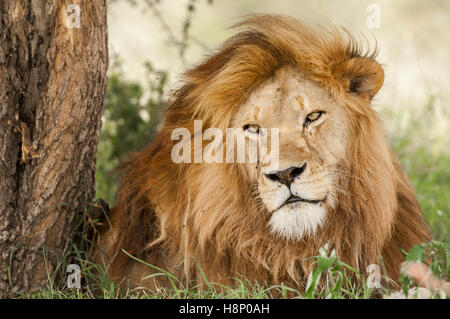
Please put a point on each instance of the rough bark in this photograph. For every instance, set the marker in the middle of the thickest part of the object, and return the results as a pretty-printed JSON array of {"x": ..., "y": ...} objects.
[{"x": 52, "y": 85}]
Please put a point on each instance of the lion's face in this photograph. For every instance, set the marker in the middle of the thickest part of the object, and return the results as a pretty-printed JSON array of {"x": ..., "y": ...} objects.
[{"x": 313, "y": 134}]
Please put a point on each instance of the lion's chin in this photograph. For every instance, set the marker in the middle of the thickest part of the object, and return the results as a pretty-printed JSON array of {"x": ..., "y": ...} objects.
[{"x": 294, "y": 221}]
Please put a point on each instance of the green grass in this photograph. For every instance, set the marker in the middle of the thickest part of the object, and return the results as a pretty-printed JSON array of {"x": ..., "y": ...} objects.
[
  {"x": 430, "y": 175},
  {"x": 423, "y": 148},
  {"x": 335, "y": 275}
]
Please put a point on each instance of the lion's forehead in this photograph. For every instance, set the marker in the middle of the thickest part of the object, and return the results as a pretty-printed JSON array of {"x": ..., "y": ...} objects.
[{"x": 285, "y": 96}]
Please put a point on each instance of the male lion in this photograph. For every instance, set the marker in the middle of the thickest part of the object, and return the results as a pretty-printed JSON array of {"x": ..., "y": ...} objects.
[{"x": 336, "y": 183}]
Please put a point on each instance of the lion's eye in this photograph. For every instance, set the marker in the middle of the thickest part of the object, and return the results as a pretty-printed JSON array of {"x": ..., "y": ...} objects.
[
  {"x": 314, "y": 116},
  {"x": 251, "y": 128}
]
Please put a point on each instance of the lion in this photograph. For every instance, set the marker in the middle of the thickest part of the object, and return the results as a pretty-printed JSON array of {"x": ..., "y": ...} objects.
[{"x": 336, "y": 182}]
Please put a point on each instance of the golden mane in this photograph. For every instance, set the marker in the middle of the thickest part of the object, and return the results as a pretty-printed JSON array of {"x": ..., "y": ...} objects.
[{"x": 207, "y": 213}]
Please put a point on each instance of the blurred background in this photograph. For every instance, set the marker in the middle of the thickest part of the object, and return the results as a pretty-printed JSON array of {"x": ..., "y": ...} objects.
[{"x": 152, "y": 42}]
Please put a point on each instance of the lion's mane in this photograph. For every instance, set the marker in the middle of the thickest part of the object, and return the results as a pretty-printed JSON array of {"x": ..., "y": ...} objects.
[{"x": 205, "y": 214}]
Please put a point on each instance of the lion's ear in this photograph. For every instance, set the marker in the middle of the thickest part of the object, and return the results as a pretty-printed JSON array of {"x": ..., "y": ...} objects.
[{"x": 362, "y": 76}]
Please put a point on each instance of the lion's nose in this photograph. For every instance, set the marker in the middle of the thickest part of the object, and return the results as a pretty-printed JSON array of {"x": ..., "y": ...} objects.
[{"x": 287, "y": 176}]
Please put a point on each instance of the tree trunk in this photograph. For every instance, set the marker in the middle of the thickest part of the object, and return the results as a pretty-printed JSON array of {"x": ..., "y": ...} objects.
[{"x": 52, "y": 85}]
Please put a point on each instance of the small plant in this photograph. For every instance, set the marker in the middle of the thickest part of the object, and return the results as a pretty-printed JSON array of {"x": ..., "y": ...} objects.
[
  {"x": 337, "y": 279},
  {"x": 130, "y": 121},
  {"x": 435, "y": 255}
]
